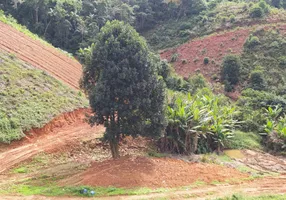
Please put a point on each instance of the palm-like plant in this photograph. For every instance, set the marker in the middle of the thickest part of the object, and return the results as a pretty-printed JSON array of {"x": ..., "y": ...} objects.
[{"x": 193, "y": 116}]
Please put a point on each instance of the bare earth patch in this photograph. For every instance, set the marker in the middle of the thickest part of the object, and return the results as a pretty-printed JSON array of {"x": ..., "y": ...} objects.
[{"x": 140, "y": 171}]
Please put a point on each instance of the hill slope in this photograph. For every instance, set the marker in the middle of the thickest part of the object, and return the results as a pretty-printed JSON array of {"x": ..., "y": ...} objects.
[
  {"x": 40, "y": 55},
  {"x": 30, "y": 98},
  {"x": 189, "y": 58}
]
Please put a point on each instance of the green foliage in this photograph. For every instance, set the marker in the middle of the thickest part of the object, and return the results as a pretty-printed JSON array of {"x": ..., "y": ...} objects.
[
  {"x": 231, "y": 69},
  {"x": 252, "y": 42},
  {"x": 191, "y": 7},
  {"x": 269, "y": 54},
  {"x": 275, "y": 128},
  {"x": 282, "y": 62},
  {"x": 259, "y": 9},
  {"x": 228, "y": 87},
  {"x": 55, "y": 190},
  {"x": 191, "y": 117},
  {"x": 128, "y": 97},
  {"x": 30, "y": 98},
  {"x": 174, "y": 57},
  {"x": 257, "y": 81},
  {"x": 252, "y": 105},
  {"x": 256, "y": 12},
  {"x": 218, "y": 15},
  {"x": 206, "y": 60},
  {"x": 277, "y": 3},
  {"x": 21, "y": 170},
  {"x": 196, "y": 83},
  {"x": 242, "y": 140}
]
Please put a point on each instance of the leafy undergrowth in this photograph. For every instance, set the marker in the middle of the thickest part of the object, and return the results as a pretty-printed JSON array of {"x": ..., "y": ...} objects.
[{"x": 30, "y": 98}]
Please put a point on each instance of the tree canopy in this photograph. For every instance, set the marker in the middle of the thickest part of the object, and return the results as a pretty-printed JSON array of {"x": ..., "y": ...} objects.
[{"x": 121, "y": 81}]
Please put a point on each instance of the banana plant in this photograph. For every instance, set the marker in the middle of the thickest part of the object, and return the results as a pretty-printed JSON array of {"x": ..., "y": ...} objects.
[
  {"x": 273, "y": 113},
  {"x": 192, "y": 116},
  {"x": 281, "y": 127}
]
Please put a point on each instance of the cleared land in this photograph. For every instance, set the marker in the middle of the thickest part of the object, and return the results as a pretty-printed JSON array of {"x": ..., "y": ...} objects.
[
  {"x": 41, "y": 56},
  {"x": 66, "y": 130},
  {"x": 191, "y": 55}
]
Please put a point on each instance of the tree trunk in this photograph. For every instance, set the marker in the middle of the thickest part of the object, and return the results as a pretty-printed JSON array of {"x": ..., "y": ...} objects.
[
  {"x": 195, "y": 142},
  {"x": 37, "y": 15},
  {"x": 114, "y": 147},
  {"x": 219, "y": 149},
  {"x": 47, "y": 28}
]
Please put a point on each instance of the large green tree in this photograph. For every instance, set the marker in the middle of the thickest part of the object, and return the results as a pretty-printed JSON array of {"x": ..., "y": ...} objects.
[{"x": 121, "y": 81}]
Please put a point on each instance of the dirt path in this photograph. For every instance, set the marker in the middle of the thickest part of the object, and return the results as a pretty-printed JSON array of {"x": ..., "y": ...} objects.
[
  {"x": 264, "y": 186},
  {"x": 62, "y": 132},
  {"x": 40, "y": 55}
]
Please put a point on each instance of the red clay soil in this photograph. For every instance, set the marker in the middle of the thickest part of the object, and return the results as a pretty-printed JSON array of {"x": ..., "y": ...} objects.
[
  {"x": 214, "y": 47},
  {"x": 151, "y": 172},
  {"x": 63, "y": 132},
  {"x": 40, "y": 55}
]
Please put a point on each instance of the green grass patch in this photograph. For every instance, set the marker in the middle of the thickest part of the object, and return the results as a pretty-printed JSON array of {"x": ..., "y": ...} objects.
[
  {"x": 156, "y": 154},
  {"x": 242, "y": 140},
  {"x": 54, "y": 190},
  {"x": 30, "y": 98},
  {"x": 20, "y": 170}
]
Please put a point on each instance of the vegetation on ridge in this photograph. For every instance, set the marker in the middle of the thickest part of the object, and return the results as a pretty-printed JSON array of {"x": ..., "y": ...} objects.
[{"x": 30, "y": 98}]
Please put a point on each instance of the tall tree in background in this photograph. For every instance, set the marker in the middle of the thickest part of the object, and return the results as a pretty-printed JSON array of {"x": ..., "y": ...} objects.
[{"x": 121, "y": 81}]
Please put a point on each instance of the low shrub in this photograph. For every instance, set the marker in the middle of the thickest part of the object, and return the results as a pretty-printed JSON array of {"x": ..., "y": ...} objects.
[
  {"x": 256, "y": 12},
  {"x": 231, "y": 69},
  {"x": 282, "y": 62},
  {"x": 257, "y": 80},
  {"x": 174, "y": 57},
  {"x": 206, "y": 60},
  {"x": 252, "y": 42}
]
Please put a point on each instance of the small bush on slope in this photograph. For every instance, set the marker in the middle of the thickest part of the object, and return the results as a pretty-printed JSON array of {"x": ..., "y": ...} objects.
[
  {"x": 30, "y": 98},
  {"x": 230, "y": 71},
  {"x": 269, "y": 56}
]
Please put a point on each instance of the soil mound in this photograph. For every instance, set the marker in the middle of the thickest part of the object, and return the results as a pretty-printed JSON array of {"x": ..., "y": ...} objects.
[{"x": 152, "y": 173}]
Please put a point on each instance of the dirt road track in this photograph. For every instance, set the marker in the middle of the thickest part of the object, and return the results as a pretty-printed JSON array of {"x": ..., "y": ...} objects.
[
  {"x": 64, "y": 131},
  {"x": 264, "y": 186},
  {"x": 39, "y": 55}
]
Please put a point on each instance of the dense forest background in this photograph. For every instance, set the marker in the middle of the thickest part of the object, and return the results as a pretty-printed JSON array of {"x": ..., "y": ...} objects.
[{"x": 73, "y": 24}]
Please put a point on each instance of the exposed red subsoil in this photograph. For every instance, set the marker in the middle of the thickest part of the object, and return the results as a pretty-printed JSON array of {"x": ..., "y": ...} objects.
[
  {"x": 63, "y": 132},
  {"x": 151, "y": 172},
  {"x": 214, "y": 47},
  {"x": 40, "y": 55}
]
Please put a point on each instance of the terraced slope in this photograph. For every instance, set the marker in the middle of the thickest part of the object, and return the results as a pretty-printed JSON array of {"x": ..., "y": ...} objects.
[
  {"x": 40, "y": 55},
  {"x": 30, "y": 98}
]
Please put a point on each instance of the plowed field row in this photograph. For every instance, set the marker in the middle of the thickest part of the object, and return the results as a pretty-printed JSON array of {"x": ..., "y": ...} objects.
[{"x": 39, "y": 55}]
